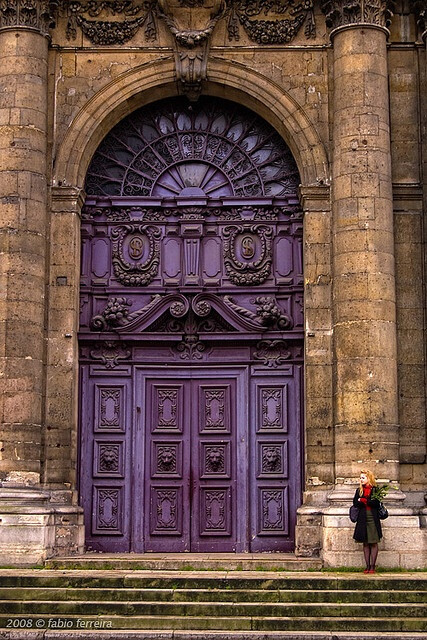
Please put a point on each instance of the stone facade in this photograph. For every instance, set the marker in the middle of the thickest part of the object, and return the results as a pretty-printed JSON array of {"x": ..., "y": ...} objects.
[{"x": 345, "y": 86}]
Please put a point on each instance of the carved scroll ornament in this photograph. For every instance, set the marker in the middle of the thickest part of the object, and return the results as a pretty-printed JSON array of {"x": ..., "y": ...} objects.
[
  {"x": 29, "y": 14},
  {"x": 340, "y": 13}
]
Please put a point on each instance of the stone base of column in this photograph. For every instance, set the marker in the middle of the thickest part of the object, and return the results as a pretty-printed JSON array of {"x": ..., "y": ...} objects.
[
  {"x": 404, "y": 542},
  {"x": 33, "y": 527}
]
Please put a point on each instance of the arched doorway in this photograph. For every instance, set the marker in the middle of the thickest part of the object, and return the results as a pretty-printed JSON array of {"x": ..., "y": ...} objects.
[{"x": 191, "y": 334}]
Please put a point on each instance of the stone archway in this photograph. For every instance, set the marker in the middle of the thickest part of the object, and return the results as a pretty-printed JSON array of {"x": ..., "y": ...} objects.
[
  {"x": 191, "y": 333},
  {"x": 116, "y": 100}
]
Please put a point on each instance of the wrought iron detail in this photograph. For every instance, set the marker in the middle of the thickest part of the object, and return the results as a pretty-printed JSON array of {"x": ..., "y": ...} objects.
[
  {"x": 272, "y": 352},
  {"x": 248, "y": 253},
  {"x": 136, "y": 254},
  {"x": 340, "y": 13},
  {"x": 30, "y": 14},
  {"x": 209, "y": 149}
]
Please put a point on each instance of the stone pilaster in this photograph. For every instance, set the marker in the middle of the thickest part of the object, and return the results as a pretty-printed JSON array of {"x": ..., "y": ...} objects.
[
  {"x": 26, "y": 532},
  {"x": 364, "y": 324}
]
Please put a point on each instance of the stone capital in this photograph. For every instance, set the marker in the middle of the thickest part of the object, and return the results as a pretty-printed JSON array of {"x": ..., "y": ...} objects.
[
  {"x": 36, "y": 15},
  {"x": 353, "y": 13},
  {"x": 419, "y": 7}
]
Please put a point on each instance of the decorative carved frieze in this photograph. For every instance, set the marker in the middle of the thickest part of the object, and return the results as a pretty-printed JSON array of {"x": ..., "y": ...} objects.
[
  {"x": 276, "y": 31},
  {"x": 266, "y": 22},
  {"x": 38, "y": 15},
  {"x": 102, "y": 31},
  {"x": 341, "y": 13}
]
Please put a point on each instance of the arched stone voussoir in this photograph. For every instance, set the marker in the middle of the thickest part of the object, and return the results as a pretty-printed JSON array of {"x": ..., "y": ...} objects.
[{"x": 153, "y": 81}]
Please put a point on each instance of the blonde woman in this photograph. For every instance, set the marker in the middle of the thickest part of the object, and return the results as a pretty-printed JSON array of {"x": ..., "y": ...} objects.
[{"x": 368, "y": 526}]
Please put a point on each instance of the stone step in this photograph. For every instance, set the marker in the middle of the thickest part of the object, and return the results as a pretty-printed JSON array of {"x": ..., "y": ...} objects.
[
  {"x": 255, "y": 623},
  {"x": 212, "y": 595},
  {"x": 188, "y": 562},
  {"x": 211, "y": 609},
  {"x": 213, "y": 580},
  {"x": 99, "y": 634},
  {"x": 213, "y": 601}
]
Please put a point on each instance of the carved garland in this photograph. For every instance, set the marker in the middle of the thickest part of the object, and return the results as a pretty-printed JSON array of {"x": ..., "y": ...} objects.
[
  {"x": 240, "y": 12},
  {"x": 136, "y": 274}
]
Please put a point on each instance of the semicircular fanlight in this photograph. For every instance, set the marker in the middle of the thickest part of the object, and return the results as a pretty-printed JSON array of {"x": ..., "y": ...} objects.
[{"x": 173, "y": 148}]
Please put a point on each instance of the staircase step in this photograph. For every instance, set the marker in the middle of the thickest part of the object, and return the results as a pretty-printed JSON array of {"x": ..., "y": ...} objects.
[
  {"x": 212, "y": 595},
  {"x": 187, "y": 562},
  {"x": 217, "y": 602}
]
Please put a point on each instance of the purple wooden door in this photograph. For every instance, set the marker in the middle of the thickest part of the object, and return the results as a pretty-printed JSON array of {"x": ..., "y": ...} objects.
[
  {"x": 191, "y": 334},
  {"x": 194, "y": 432}
]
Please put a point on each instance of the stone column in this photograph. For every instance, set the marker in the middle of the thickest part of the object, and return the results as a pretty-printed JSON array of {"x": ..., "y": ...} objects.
[
  {"x": 24, "y": 26},
  {"x": 364, "y": 325}
]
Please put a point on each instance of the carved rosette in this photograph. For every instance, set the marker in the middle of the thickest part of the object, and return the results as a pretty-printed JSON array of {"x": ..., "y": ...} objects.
[
  {"x": 345, "y": 13},
  {"x": 136, "y": 254},
  {"x": 248, "y": 253},
  {"x": 37, "y": 15}
]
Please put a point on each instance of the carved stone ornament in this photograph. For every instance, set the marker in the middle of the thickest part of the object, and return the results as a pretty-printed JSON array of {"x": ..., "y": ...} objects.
[
  {"x": 272, "y": 353},
  {"x": 136, "y": 254},
  {"x": 277, "y": 31},
  {"x": 110, "y": 353},
  {"x": 248, "y": 253},
  {"x": 191, "y": 45},
  {"x": 102, "y": 31},
  {"x": 29, "y": 14},
  {"x": 340, "y": 13},
  {"x": 419, "y": 7}
]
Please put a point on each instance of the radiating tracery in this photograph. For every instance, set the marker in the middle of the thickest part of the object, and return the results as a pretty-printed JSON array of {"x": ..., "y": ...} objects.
[{"x": 177, "y": 149}]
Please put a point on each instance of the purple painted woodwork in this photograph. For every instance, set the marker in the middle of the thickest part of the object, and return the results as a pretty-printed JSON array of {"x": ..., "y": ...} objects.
[{"x": 191, "y": 334}]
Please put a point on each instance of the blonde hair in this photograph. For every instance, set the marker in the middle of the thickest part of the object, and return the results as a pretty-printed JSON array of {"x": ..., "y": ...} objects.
[{"x": 371, "y": 480}]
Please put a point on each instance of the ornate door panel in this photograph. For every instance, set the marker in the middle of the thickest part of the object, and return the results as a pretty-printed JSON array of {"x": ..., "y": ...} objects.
[
  {"x": 106, "y": 426},
  {"x": 191, "y": 333},
  {"x": 195, "y": 442},
  {"x": 275, "y": 453}
]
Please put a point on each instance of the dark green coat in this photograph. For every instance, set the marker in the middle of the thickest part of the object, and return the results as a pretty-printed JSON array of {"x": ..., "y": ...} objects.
[{"x": 360, "y": 534}]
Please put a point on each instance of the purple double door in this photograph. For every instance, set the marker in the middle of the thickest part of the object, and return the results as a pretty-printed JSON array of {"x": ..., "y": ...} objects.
[
  {"x": 191, "y": 460},
  {"x": 191, "y": 334}
]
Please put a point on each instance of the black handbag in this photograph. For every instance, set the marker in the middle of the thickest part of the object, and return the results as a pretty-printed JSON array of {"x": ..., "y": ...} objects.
[
  {"x": 354, "y": 513},
  {"x": 382, "y": 512}
]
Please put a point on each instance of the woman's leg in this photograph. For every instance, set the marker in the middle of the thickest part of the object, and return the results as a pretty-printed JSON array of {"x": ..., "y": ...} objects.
[
  {"x": 367, "y": 554},
  {"x": 374, "y": 554}
]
